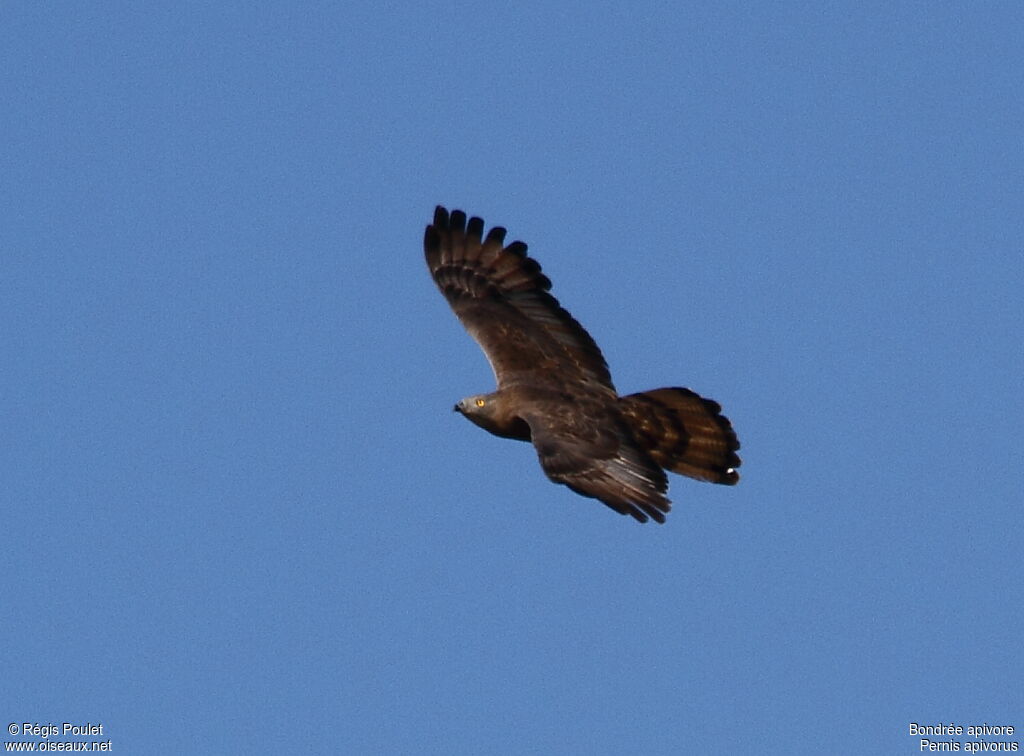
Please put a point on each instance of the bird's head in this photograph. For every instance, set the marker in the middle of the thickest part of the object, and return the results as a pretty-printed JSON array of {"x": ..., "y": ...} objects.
[
  {"x": 473, "y": 407},
  {"x": 491, "y": 412},
  {"x": 482, "y": 410}
]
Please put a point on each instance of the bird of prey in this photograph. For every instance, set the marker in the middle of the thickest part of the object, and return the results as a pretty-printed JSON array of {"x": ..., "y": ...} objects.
[{"x": 554, "y": 388}]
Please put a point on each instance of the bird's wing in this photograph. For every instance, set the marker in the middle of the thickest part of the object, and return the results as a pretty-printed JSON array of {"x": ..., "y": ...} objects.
[
  {"x": 586, "y": 446},
  {"x": 502, "y": 299}
]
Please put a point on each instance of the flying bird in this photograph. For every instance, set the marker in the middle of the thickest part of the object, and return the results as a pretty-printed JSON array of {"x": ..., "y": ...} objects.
[{"x": 554, "y": 388}]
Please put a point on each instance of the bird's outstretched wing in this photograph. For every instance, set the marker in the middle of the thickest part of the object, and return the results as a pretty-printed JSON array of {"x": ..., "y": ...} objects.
[
  {"x": 586, "y": 447},
  {"x": 501, "y": 296}
]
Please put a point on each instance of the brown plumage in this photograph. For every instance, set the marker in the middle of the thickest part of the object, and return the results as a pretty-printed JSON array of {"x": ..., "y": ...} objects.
[{"x": 554, "y": 388}]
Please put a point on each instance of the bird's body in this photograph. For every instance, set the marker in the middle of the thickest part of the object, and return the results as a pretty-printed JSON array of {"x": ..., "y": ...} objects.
[{"x": 554, "y": 388}]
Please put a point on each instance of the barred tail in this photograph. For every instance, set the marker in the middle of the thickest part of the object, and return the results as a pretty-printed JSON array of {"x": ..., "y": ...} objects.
[{"x": 684, "y": 433}]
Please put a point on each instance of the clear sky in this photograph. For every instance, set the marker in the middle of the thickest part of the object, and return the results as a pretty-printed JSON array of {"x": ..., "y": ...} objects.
[{"x": 240, "y": 514}]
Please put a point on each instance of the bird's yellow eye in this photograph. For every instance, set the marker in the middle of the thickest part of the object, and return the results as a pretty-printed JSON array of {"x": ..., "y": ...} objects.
[{"x": 480, "y": 402}]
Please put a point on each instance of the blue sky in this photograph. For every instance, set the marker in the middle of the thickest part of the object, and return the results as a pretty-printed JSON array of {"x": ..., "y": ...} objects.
[{"x": 241, "y": 516}]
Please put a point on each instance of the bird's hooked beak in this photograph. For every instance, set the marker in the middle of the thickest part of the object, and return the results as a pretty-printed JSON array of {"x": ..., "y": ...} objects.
[{"x": 456, "y": 408}]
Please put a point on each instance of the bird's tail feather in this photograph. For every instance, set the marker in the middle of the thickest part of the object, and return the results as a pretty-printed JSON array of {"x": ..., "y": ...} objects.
[{"x": 684, "y": 433}]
